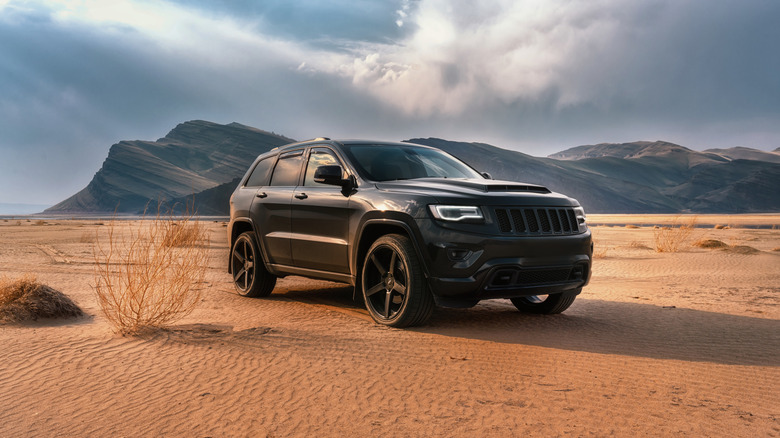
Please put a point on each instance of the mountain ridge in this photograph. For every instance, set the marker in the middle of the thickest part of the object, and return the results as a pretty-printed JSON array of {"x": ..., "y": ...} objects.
[
  {"x": 206, "y": 160},
  {"x": 194, "y": 156}
]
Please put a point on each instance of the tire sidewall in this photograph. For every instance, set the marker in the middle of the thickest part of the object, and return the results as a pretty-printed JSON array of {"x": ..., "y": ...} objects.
[
  {"x": 391, "y": 242},
  {"x": 246, "y": 237}
]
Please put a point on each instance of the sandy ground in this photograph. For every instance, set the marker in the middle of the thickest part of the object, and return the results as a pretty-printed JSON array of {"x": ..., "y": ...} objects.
[{"x": 658, "y": 344}]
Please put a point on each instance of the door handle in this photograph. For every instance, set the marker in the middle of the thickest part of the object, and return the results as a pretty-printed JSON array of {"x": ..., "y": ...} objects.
[
  {"x": 262, "y": 195},
  {"x": 301, "y": 196}
]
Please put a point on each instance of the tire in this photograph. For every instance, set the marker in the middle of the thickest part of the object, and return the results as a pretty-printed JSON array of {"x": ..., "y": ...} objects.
[
  {"x": 250, "y": 277},
  {"x": 394, "y": 288},
  {"x": 546, "y": 304}
]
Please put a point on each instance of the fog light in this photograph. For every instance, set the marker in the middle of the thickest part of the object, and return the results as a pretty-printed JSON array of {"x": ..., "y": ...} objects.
[{"x": 457, "y": 254}]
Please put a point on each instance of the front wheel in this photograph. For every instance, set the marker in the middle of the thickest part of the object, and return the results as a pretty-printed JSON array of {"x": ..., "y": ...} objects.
[
  {"x": 394, "y": 287},
  {"x": 546, "y": 304},
  {"x": 249, "y": 274}
]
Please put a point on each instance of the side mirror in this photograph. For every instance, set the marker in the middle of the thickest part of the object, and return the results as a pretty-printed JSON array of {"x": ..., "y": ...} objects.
[
  {"x": 487, "y": 175},
  {"x": 331, "y": 175}
]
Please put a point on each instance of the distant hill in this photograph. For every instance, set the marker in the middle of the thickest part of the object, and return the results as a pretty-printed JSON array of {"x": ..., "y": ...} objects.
[
  {"x": 207, "y": 160},
  {"x": 742, "y": 153},
  {"x": 194, "y": 157},
  {"x": 639, "y": 177}
]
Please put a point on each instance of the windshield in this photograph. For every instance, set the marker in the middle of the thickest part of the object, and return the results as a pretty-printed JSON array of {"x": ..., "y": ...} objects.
[{"x": 390, "y": 162}]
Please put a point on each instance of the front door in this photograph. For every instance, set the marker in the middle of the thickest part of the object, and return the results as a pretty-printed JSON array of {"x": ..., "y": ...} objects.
[{"x": 320, "y": 219}]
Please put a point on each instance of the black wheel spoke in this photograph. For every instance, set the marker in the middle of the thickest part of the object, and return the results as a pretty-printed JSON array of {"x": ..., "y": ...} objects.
[
  {"x": 374, "y": 289},
  {"x": 393, "y": 258},
  {"x": 378, "y": 265},
  {"x": 238, "y": 257},
  {"x": 240, "y": 273},
  {"x": 388, "y": 300},
  {"x": 399, "y": 288}
]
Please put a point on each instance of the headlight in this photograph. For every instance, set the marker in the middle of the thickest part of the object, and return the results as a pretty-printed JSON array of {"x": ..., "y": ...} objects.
[
  {"x": 581, "y": 219},
  {"x": 457, "y": 213}
]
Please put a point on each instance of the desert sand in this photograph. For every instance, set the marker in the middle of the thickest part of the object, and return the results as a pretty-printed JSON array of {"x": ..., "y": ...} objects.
[{"x": 659, "y": 344}]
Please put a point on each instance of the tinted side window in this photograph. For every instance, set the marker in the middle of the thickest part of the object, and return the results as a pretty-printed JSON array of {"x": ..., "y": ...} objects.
[
  {"x": 318, "y": 157},
  {"x": 287, "y": 169},
  {"x": 259, "y": 176}
]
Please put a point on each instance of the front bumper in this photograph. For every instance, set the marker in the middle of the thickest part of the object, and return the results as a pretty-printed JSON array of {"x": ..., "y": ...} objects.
[{"x": 468, "y": 267}]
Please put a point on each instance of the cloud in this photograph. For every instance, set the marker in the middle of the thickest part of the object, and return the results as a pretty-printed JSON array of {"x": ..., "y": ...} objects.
[
  {"x": 536, "y": 75},
  {"x": 603, "y": 55}
]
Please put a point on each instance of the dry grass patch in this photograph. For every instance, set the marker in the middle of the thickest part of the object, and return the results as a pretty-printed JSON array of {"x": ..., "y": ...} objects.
[
  {"x": 673, "y": 237},
  {"x": 600, "y": 252},
  {"x": 638, "y": 245},
  {"x": 710, "y": 243},
  {"x": 632, "y": 226},
  {"x": 25, "y": 299},
  {"x": 148, "y": 272},
  {"x": 183, "y": 234},
  {"x": 87, "y": 237}
]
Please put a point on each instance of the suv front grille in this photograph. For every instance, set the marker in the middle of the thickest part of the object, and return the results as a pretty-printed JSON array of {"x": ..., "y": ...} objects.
[{"x": 537, "y": 221}]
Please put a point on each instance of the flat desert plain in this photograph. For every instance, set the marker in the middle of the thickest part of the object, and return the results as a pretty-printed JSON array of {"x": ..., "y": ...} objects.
[{"x": 659, "y": 344}]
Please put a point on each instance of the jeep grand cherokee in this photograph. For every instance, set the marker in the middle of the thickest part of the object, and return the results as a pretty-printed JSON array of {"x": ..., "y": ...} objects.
[{"x": 409, "y": 226}]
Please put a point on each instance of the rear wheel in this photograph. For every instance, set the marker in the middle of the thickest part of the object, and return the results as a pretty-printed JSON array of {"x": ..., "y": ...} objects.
[
  {"x": 546, "y": 304},
  {"x": 394, "y": 287},
  {"x": 249, "y": 274}
]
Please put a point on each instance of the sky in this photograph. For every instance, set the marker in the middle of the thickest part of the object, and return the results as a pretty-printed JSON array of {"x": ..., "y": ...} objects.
[{"x": 537, "y": 76}]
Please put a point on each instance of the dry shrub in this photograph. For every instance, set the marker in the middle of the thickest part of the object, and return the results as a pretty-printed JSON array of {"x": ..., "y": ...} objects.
[
  {"x": 710, "y": 243},
  {"x": 632, "y": 226},
  {"x": 148, "y": 276},
  {"x": 26, "y": 299},
  {"x": 39, "y": 222},
  {"x": 638, "y": 245},
  {"x": 673, "y": 237},
  {"x": 87, "y": 237},
  {"x": 183, "y": 234},
  {"x": 742, "y": 249},
  {"x": 776, "y": 248},
  {"x": 600, "y": 253}
]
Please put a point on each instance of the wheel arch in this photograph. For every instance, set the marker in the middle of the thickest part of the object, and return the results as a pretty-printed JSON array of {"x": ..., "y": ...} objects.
[
  {"x": 238, "y": 227},
  {"x": 372, "y": 230}
]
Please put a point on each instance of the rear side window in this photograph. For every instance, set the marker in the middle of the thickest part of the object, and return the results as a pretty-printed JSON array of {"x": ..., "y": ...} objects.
[
  {"x": 288, "y": 169},
  {"x": 259, "y": 176}
]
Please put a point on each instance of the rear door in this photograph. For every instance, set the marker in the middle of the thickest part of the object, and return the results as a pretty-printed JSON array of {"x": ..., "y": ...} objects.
[
  {"x": 270, "y": 210},
  {"x": 320, "y": 219}
]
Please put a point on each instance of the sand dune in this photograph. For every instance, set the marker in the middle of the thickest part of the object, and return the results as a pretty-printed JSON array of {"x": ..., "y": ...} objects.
[{"x": 659, "y": 344}]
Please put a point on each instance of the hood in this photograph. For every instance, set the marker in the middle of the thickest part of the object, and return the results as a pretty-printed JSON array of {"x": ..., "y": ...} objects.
[{"x": 487, "y": 190}]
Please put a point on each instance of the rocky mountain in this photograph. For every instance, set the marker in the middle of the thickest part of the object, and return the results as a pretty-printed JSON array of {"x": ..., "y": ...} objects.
[
  {"x": 640, "y": 177},
  {"x": 204, "y": 161},
  {"x": 194, "y": 157}
]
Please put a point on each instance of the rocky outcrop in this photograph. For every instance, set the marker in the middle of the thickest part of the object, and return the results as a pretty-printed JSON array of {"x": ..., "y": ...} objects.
[{"x": 193, "y": 157}]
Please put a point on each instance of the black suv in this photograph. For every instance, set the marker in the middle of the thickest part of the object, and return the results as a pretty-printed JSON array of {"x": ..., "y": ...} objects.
[{"x": 409, "y": 226}]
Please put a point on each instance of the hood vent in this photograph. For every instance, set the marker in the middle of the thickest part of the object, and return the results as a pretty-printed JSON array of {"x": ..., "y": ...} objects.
[{"x": 517, "y": 188}]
